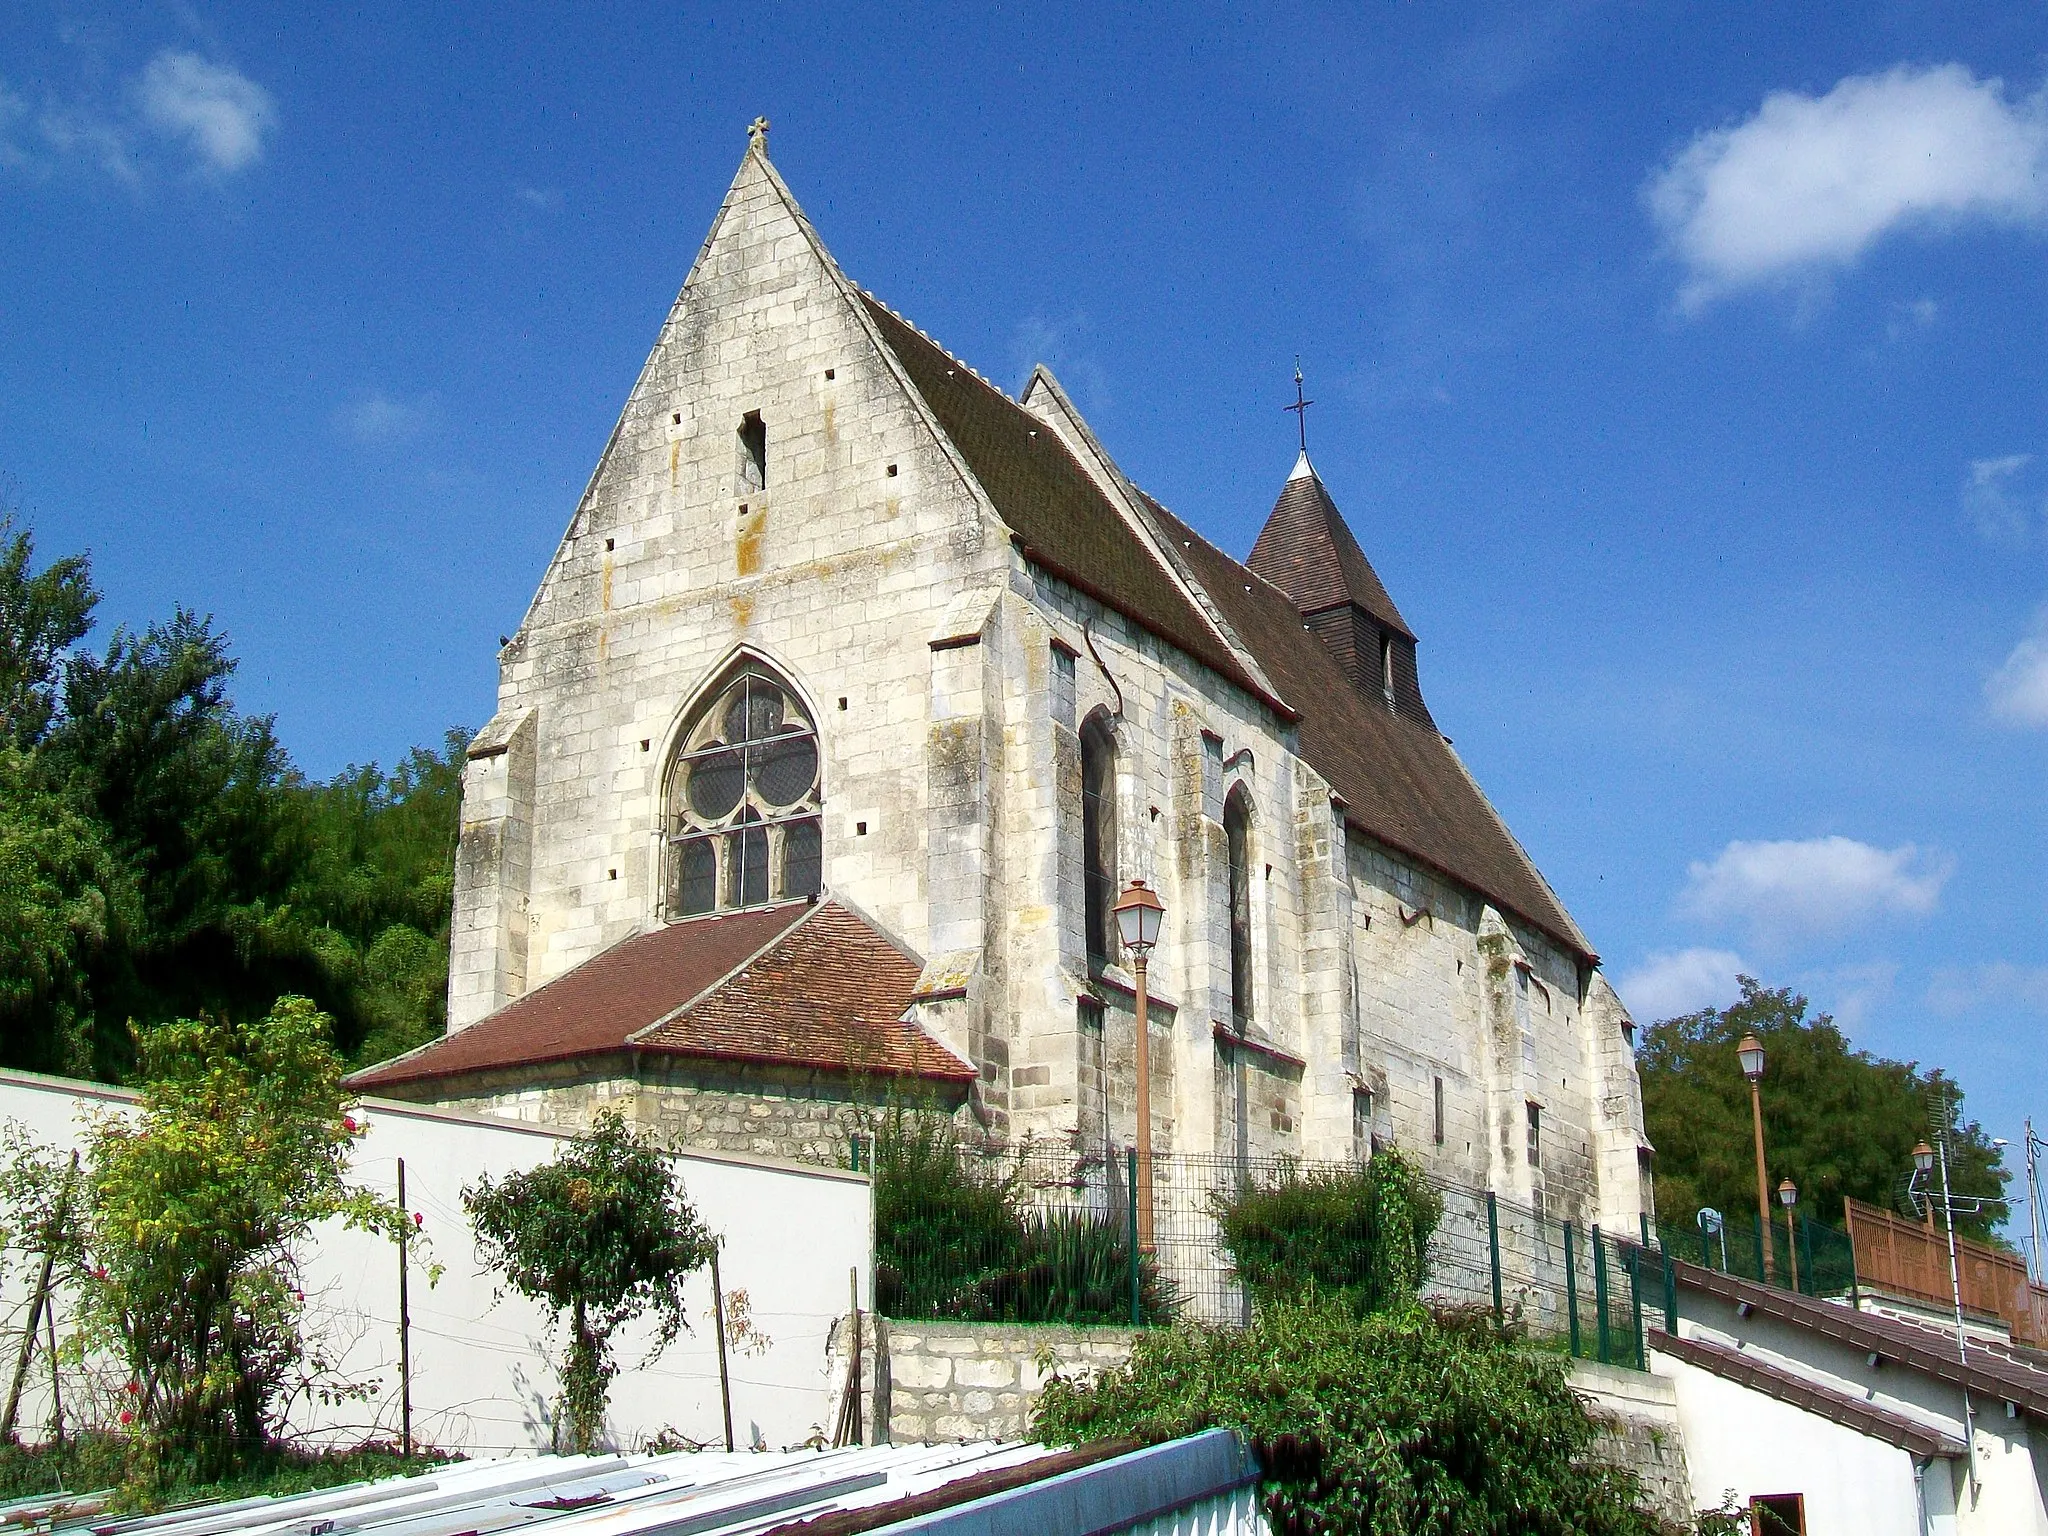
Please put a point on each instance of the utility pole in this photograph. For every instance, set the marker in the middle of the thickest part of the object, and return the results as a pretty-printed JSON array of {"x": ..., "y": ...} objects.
[{"x": 2034, "y": 1212}]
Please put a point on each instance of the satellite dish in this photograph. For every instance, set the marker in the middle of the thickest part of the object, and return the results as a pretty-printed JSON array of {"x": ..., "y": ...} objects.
[{"x": 1709, "y": 1220}]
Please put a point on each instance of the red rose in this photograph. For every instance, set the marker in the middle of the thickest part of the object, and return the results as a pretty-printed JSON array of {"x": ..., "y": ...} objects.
[
  {"x": 134, "y": 1387},
  {"x": 418, "y": 1220},
  {"x": 348, "y": 1123},
  {"x": 127, "y": 1417}
]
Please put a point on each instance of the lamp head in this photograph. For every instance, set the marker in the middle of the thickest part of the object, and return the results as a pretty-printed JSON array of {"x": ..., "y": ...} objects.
[
  {"x": 1923, "y": 1157},
  {"x": 1138, "y": 913},
  {"x": 1788, "y": 1194},
  {"x": 1751, "y": 1054}
]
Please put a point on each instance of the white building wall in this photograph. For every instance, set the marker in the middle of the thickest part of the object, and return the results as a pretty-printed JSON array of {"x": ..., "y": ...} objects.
[
  {"x": 1742, "y": 1442},
  {"x": 483, "y": 1377}
]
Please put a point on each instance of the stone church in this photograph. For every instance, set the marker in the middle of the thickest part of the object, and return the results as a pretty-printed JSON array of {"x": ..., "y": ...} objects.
[{"x": 856, "y": 692}]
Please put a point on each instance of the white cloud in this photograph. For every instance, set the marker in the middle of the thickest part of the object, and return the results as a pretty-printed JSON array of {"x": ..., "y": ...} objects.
[
  {"x": 1820, "y": 885},
  {"x": 1965, "y": 989},
  {"x": 546, "y": 199},
  {"x": 1673, "y": 982},
  {"x": 1997, "y": 500},
  {"x": 220, "y": 114},
  {"x": 215, "y": 116},
  {"x": 1067, "y": 348},
  {"x": 2018, "y": 691},
  {"x": 379, "y": 420},
  {"x": 1809, "y": 183},
  {"x": 1851, "y": 993}
]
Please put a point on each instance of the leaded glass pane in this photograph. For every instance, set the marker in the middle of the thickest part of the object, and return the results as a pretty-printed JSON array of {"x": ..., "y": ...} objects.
[
  {"x": 696, "y": 876},
  {"x": 716, "y": 783},
  {"x": 784, "y": 770},
  {"x": 746, "y": 866},
  {"x": 803, "y": 862}
]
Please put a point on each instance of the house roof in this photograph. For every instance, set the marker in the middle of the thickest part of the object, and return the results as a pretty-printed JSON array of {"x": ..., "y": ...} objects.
[
  {"x": 1991, "y": 1373},
  {"x": 1307, "y": 550},
  {"x": 793, "y": 985},
  {"x": 1398, "y": 777},
  {"x": 1867, "y": 1418}
]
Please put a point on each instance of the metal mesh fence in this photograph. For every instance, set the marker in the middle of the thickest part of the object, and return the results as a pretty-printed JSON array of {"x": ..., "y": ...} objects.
[
  {"x": 1813, "y": 1259},
  {"x": 1552, "y": 1279}
]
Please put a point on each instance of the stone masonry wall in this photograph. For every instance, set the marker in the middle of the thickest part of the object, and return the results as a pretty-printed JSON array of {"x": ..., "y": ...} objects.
[
  {"x": 1640, "y": 1418},
  {"x": 981, "y": 1381}
]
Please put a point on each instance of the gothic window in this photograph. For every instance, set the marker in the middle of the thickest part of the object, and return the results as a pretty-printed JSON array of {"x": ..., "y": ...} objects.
[
  {"x": 753, "y": 452},
  {"x": 1237, "y": 833},
  {"x": 1098, "y": 839},
  {"x": 743, "y": 800}
]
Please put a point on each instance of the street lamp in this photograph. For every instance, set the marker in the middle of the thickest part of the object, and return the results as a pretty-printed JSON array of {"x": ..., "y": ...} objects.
[
  {"x": 1138, "y": 914},
  {"x": 1925, "y": 1159},
  {"x": 1788, "y": 1196},
  {"x": 1751, "y": 1054}
]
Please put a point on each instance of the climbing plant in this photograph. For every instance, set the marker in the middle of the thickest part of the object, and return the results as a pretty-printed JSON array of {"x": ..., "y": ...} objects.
[
  {"x": 1356, "y": 1234},
  {"x": 602, "y": 1234}
]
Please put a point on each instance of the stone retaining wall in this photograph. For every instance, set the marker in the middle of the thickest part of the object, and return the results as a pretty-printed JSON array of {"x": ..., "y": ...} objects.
[
  {"x": 980, "y": 1381},
  {"x": 1641, "y": 1415}
]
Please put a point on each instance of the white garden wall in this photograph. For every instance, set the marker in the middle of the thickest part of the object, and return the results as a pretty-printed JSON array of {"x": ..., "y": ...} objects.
[{"x": 482, "y": 1378}]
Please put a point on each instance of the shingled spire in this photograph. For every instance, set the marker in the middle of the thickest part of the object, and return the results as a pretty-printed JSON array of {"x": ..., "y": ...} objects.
[{"x": 1306, "y": 551}]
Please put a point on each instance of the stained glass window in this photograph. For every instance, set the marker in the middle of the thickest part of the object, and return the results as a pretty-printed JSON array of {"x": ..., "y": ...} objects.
[{"x": 743, "y": 800}]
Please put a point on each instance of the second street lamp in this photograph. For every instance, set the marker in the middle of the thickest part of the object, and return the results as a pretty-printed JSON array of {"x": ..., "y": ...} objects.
[
  {"x": 1138, "y": 914},
  {"x": 1788, "y": 1196},
  {"x": 1751, "y": 1054}
]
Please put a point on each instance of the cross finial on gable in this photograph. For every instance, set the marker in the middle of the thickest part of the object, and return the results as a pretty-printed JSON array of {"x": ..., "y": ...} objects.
[
  {"x": 757, "y": 134},
  {"x": 1300, "y": 406}
]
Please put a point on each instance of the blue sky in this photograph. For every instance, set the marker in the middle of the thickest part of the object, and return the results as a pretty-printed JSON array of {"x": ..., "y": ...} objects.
[{"x": 1681, "y": 368}]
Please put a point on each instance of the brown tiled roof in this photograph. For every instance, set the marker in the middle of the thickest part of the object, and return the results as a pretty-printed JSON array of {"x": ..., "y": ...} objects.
[
  {"x": 795, "y": 985},
  {"x": 1398, "y": 778},
  {"x": 1992, "y": 1373},
  {"x": 1401, "y": 782},
  {"x": 1307, "y": 551},
  {"x": 1059, "y": 514},
  {"x": 1866, "y": 1418}
]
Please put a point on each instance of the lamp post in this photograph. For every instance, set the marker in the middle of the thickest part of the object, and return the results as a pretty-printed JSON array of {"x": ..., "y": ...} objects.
[
  {"x": 1138, "y": 913},
  {"x": 1925, "y": 1158},
  {"x": 1788, "y": 1196},
  {"x": 1751, "y": 1054}
]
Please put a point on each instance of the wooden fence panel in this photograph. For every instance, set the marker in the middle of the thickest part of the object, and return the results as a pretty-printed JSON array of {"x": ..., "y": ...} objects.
[{"x": 1909, "y": 1259}]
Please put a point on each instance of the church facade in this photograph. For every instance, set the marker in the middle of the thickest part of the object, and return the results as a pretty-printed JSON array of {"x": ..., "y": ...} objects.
[{"x": 855, "y": 693}]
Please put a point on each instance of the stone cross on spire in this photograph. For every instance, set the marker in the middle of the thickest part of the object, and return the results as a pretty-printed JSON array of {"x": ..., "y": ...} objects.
[{"x": 757, "y": 134}]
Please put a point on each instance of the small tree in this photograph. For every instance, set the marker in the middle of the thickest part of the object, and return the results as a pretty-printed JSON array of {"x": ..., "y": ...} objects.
[
  {"x": 602, "y": 1233},
  {"x": 187, "y": 1257}
]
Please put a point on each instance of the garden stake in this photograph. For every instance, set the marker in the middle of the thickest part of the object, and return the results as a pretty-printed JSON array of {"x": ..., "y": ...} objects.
[
  {"x": 35, "y": 1306},
  {"x": 718, "y": 1313},
  {"x": 404, "y": 1331}
]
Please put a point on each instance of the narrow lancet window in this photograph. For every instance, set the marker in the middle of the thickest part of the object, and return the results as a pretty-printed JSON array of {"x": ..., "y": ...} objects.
[
  {"x": 1098, "y": 839},
  {"x": 753, "y": 452},
  {"x": 1237, "y": 833}
]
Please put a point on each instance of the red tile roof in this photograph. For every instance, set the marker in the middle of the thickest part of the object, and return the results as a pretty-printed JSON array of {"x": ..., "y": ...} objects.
[{"x": 794, "y": 985}]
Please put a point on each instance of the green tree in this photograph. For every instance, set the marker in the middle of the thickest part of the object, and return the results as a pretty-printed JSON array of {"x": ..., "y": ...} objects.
[
  {"x": 42, "y": 615},
  {"x": 603, "y": 1233},
  {"x": 1388, "y": 1424},
  {"x": 196, "y": 1211},
  {"x": 1838, "y": 1122}
]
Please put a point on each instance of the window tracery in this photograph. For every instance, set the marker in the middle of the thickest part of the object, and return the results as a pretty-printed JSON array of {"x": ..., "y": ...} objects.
[{"x": 744, "y": 800}]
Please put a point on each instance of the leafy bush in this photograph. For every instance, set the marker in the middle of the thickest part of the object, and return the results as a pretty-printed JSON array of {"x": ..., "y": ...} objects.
[
  {"x": 89, "y": 1462},
  {"x": 1359, "y": 1234},
  {"x": 1381, "y": 1425},
  {"x": 186, "y": 1256},
  {"x": 957, "y": 1241},
  {"x": 603, "y": 1233}
]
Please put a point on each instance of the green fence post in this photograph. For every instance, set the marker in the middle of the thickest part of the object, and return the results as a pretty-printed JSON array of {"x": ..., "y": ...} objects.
[
  {"x": 1600, "y": 1292},
  {"x": 1762, "y": 1237},
  {"x": 1571, "y": 1286},
  {"x": 1643, "y": 1220},
  {"x": 1493, "y": 1246},
  {"x": 1635, "y": 1302},
  {"x": 1131, "y": 1235},
  {"x": 1806, "y": 1261},
  {"x": 1670, "y": 1297}
]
